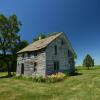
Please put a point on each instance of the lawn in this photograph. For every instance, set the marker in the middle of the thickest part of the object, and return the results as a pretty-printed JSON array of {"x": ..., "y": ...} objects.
[{"x": 85, "y": 86}]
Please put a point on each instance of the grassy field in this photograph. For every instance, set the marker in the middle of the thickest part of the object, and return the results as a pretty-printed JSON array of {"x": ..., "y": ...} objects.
[{"x": 85, "y": 86}]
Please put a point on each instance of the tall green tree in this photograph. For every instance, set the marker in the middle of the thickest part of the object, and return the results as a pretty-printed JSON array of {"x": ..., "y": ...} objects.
[
  {"x": 19, "y": 46},
  {"x": 88, "y": 61},
  {"x": 9, "y": 28}
]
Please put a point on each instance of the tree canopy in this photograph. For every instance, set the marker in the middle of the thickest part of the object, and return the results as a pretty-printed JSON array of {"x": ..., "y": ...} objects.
[
  {"x": 9, "y": 28},
  {"x": 88, "y": 61},
  {"x": 9, "y": 37}
]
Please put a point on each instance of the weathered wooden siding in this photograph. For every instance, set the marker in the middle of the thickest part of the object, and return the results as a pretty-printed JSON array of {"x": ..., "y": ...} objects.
[
  {"x": 62, "y": 55},
  {"x": 29, "y": 64}
]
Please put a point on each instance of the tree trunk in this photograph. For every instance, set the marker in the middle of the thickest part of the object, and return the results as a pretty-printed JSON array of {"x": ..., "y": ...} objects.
[{"x": 8, "y": 67}]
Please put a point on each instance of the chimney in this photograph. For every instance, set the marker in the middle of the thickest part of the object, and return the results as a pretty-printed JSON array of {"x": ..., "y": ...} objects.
[{"x": 40, "y": 37}]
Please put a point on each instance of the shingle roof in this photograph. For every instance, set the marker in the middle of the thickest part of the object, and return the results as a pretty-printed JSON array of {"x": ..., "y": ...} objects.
[{"x": 37, "y": 45}]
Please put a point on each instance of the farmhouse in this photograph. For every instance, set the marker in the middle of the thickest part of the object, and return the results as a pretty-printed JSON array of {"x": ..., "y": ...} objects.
[{"x": 46, "y": 56}]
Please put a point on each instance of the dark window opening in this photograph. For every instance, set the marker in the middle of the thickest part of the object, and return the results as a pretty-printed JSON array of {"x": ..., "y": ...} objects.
[
  {"x": 35, "y": 66},
  {"x": 35, "y": 53},
  {"x": 69, "y": 53},
  {"x": 29, "y": 54},
  {"x": 23, "y": 55},
  {"x": 62, "y": 42},
  {"x": 22, "y": 69},
  {"x": 55, "y": 47},
  {"x": 56, "y": 66}
]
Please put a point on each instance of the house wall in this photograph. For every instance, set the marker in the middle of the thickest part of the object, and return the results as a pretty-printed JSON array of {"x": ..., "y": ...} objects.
[
  {"x": 62, "y": 55},
  {"x": 29, "y": 64}
]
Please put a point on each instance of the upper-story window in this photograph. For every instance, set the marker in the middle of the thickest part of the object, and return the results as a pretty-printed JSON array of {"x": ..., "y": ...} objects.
[
  {"x": 55, "y": 48},
  {"x": 62, "y": 42},
  {"x": 35, "y": 53},
  {"x": 29, "y": 54},
  {"x": 19, "y": 55},
  {"x": 23, "y": 55},
  {"x": 69, "y": 53}
]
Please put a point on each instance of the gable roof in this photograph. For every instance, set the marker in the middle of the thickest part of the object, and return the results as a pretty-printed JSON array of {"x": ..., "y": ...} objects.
[{"x": 40, "y": 44}]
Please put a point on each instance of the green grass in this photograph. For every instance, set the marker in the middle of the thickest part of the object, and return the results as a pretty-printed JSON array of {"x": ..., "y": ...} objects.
[{"x": 85, "y": 86}]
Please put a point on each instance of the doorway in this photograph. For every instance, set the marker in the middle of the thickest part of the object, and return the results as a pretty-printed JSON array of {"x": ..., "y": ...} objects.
[{"x": 22, "y": 68}]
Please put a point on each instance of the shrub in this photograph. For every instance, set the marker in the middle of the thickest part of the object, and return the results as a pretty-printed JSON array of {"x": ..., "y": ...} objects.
[
  {"x": 49, "y": 79},
  {"x": 55, "y": 77}
]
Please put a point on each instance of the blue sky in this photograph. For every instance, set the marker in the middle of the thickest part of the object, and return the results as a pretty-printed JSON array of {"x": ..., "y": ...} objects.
[{"x": 79, "y": 19}]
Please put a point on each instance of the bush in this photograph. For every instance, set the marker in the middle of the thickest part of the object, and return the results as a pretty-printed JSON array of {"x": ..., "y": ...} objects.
[
  {"x": 55, "y": 77},
  {"x": 49, "y": 79}
]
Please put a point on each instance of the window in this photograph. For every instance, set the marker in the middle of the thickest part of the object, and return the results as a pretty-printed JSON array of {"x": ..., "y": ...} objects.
[
  {"x": 23, "y": 55},
  {"x": 69, "y": 53},
  {"x": 56, "y": 66},
  {"x": 55, "y": 48},
  {"x": 35, "y": 66},
  {"x": 29, "y": 54},
  {"x": 62, "y": 42},
  {"x": 35, "y": 53}
]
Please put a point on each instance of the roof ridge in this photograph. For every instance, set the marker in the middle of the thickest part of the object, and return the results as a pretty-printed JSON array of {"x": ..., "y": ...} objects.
[{"x": 39, "y": 44}]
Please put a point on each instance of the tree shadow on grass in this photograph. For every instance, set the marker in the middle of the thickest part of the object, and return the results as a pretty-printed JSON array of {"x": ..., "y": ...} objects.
[
  {"x": 76, "y": 74},
  {"x": 5, "y": 76}
]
